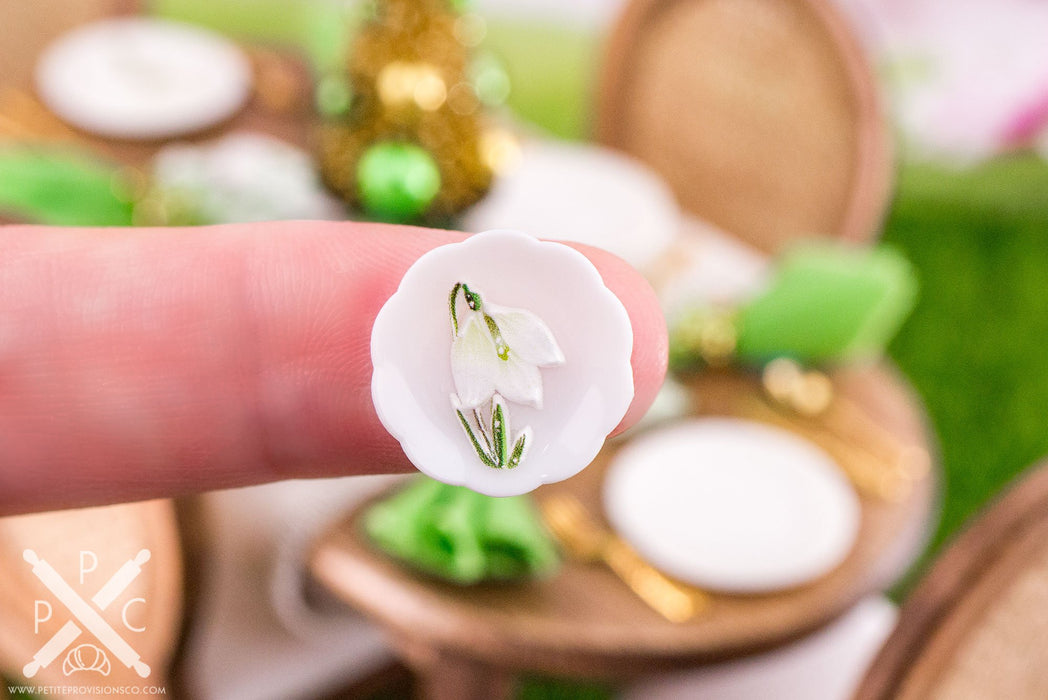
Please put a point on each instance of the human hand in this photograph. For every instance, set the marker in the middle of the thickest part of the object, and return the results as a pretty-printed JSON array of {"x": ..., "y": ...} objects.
[{"x": 140, "y": 363}]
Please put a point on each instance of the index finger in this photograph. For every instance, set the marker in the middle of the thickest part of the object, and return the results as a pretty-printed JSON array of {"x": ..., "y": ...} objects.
[{"x": 157, "y": 362}]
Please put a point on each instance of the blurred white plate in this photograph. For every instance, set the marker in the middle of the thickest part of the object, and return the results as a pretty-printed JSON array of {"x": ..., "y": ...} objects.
[
  {"x": 586, "y": 194},
  {"x": 139, "y": 78},
  {"x": 732, "y": 505}
]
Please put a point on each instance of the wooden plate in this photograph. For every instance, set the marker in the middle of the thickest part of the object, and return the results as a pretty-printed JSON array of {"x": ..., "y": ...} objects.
[
  {"x": 763, "y": 115},
  {"x": 585, "y": 621},
  {"x": 976, "y": 626}
]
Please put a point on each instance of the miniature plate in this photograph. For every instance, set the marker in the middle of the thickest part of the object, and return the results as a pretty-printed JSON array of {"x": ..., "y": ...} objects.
[
  {"x": 502, "y": 363},
  {"x": 732, "y": 505},
  {"x": 139, "y": 78},
  {"x": 590, "y": 195},
  {"x": 242, "y": 177}
]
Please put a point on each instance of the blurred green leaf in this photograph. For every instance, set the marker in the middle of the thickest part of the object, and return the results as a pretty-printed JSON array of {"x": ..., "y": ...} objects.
[
  {"x": 62, "y": 187},
  {"x": 462, "y": 536}
]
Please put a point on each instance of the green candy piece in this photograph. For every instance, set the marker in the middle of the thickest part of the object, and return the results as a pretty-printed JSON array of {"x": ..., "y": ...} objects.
[
  {"x": 461, "y": 536},
  {"x": 397, "y": 181},
  {"x": 62, "y": 187},
  {"x": 828, "y": 304}
]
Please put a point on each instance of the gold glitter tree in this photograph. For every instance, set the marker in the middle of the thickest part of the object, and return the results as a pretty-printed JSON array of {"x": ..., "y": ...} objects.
[{"x": 411, "y": 146}]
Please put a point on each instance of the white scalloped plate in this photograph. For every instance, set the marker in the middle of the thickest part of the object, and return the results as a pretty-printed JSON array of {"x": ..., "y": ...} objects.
[
  {"x": 584, "y": 398},
  {"x": 732, "y": 505}
]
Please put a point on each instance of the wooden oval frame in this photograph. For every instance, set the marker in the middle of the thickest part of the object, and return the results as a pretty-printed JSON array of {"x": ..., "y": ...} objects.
[
  {"x": 962, "y": 585},
  {"x": 872, "y": 175}
]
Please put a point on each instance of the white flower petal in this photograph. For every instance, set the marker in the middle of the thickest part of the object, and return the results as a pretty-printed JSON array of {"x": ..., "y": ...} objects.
[
  {"x": 526, "y": 335},
  {"x": 473, "y": 366},
  {"x": 519, "y": 382}
]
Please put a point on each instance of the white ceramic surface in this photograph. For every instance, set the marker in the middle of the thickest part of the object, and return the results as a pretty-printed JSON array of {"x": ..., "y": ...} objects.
[
  {"x": 732, "y": 505},
  {"x": 583, "y": 397},
  {"x": 244, "y": 177},
  {"x": 709, "y": 268},
  {"x": 586, "y": 194},
  {"x": 139, "y": 78}
]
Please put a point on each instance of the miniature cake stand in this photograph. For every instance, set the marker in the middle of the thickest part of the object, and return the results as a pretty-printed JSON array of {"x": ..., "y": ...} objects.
[{"x": 470, "y": 642}]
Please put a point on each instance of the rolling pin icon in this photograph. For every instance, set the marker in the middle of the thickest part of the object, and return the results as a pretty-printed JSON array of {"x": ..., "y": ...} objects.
[{"x": 85, "y": 614}]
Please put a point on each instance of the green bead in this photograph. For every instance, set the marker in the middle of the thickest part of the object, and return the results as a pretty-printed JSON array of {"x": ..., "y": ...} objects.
[{"x": 397, "y": 181}]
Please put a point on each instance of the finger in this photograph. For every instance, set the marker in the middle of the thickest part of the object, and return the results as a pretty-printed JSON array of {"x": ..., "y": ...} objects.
[
  {"x": 144, "y": 363},
  {"x": 650, "y": 339}
]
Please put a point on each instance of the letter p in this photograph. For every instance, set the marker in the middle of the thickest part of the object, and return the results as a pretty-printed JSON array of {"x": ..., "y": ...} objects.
[
  {"x": 86, "y": 554},
  {"x": 37, "y": 611}
]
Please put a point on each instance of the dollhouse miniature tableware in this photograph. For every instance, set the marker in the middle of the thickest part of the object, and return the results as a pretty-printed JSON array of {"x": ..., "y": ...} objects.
[
  {"x": 139, "y": 78},
  {"x": 590, "y": 195},
  {"x": 502, "y": 363},
  {"x": 732, "y": 505},
  {"x": 241, "y": 177}
]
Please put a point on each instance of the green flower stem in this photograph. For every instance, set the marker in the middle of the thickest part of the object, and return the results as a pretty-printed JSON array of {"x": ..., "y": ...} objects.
[
  {"x": 452, "y": 298},
  {"x": 472, "y": 301}
]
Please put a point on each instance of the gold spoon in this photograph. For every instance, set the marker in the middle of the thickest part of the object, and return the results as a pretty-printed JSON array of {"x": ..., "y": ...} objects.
[{"x": 586, "y": 540}]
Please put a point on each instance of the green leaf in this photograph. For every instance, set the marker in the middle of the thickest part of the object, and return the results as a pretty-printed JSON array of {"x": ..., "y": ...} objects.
[
  {"x": 498, "y": 432},
  {"x": 518, "y": 449},
  {"x": 484, "y": 457},
  {"x": 61, "y": 186}
]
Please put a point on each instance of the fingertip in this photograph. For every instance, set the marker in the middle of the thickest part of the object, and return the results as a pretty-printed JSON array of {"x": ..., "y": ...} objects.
[{"x": 650, "y": 336}]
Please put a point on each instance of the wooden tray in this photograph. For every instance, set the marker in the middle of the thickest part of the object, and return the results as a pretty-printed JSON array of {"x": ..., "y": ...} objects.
[
  {"x": 761, "y": 114},
  {"x": 585, "y": 621},
  {"x": 976, "y": 626}
]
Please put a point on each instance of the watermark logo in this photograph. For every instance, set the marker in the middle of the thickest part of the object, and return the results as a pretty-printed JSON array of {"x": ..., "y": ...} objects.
[
  {"x": 86, "y": 657},
  {"x": 86, "y": 615}
]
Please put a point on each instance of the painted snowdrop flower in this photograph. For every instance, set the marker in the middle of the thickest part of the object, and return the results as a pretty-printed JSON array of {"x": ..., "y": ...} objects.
[
  {"x": 487, "y": 378},
  {"x": 498, "y": 350},
  {"x": 495, "y": 357}
]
